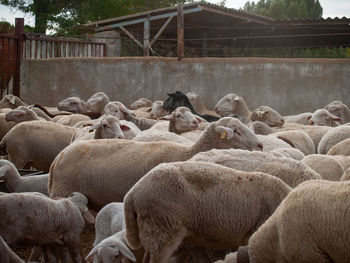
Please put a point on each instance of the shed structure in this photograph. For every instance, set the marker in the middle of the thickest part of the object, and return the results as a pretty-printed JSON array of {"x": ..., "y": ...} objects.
[{"x": 210, "y": 29}]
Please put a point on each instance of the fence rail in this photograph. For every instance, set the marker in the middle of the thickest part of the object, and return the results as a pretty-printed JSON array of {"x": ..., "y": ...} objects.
[{"x": 42, "y": 48}]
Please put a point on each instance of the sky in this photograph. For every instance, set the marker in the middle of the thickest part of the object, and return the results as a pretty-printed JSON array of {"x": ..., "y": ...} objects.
[{"x": 331, "y": 8}]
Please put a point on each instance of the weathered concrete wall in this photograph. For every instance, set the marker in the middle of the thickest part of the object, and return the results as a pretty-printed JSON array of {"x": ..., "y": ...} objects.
[{"x": 288, "y": 85}]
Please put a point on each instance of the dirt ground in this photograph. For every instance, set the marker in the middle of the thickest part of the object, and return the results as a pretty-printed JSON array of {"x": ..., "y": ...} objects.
[{"x": 87, "y": 239}]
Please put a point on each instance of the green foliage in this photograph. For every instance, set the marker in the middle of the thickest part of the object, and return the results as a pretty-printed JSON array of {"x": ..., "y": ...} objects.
[
  {"x": 284, "y": 9},
  {"x": 6, "y": 27},
  {"x": 63, "y": 15}
]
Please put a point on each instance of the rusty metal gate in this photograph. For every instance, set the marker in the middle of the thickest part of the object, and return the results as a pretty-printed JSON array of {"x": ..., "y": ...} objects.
[{"x": 8, "y": 67}]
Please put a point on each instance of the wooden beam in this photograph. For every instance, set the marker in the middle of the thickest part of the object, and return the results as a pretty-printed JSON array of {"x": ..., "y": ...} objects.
[
  {"x": 146, "y": 37},
  {"x": 180, "y": 32},
  {"x": 19, "y": 31},
  {"x": 161, "y": 30},
  {"x": 141, "y": 20},
  {"x": 131, "y": 36}
]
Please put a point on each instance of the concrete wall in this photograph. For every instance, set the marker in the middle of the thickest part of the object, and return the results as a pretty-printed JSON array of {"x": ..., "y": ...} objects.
[{"x": 287, "y": 85}]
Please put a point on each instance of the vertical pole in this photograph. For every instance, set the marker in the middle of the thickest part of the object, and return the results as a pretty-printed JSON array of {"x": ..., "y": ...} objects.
[
  {"x": 180, "y": 32},
  {"x": 146, "y": 37},
  {"x": 19, "y": 31},
  {"x": 204, "y": 45}
]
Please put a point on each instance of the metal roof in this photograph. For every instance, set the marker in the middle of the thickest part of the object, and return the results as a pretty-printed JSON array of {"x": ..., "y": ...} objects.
[{"x": 222, "y": 27}]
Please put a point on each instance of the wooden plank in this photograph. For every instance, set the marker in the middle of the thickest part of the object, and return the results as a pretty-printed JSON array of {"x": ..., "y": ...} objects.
[
  {"x": 131, "y": 36},
  {"x": 180, "y": 32}
]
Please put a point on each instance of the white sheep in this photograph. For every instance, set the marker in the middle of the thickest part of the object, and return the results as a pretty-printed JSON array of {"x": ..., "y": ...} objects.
[
  {"x": 7, "y": 255},
  {"x": 140, "y": 122},
  {"x": 157, "y": 110},
  {"x": 298, "y": 139},
  {"x": 11, "y": 101},
  {"x": 323, "y": 117},
  {"x": 198, "y": 104},
  {"x": 97, "y": 102},
  {"x": 339, "y": 109},
  {"x": 310, "y": 225},
  {"x": 346, "y": 175},
  {"x": 187, "y": 201},
  {"x": 290, "y": 171},
  {"x": 73, "y": 104},
  {"x": 301, "y": 118},
  {"x": 143, "y": 102},
  {"x": 22, "y": 113},
  {"x": 31, "y": 216},
  {"x": 267, "y": 115},
  {"x": 14, "y": 182},
  {"x": 105, "y": 128},
  {"x": 117, "y": 109},
  {"x": 5, "y": 126},
  {"x": 232, "y": 104},
  {"x": 327, "y": 166},
  {"x": 71, "y": 120},
  {"x": 36, "y": 143},
  {"x": 341, "y": 148},
  {"x": 332, "y": 137},
  {"x": 288, "y": 152},
  {"x": 122, "y": 163},
  {"x": 155, "y": 135},
  {"x": 271, "y": 143},
  {"x": 260, "y": 127}
]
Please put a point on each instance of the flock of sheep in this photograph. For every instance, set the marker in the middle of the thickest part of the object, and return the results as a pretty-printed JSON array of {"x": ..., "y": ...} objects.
[{"x": 174, "y": 182}]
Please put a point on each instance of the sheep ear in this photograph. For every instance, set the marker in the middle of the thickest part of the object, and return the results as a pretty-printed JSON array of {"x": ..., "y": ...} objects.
[
  {"x": 88, "y": 217},
  {"x": 123, "y": 108},
  {"x": 126, "y": 251},
  {"x": 149, "y": 109},
  {"x": 93, "y": 251},
  {"x": 166, "y": 117},
  {"x": 225, "y": 132},
  {"x": 259, "y": 113},
  {"x": 96, "y": 126},
  {"x": 334, "y": 118},
  {"x": 124, "y": 127},
  {"x": 199, "y": 120},
  {"x": 94, "y": 100}
]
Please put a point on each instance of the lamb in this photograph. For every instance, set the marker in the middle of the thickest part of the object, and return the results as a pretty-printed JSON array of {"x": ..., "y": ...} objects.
[
  {"x": 110, "y": 235},
  {"x": 327, "y": 166},
  {"x": 10, "y": 101},
  {"x": 143, "y": 102},
  {"x": 290, "y": 171},
  {"x": 290, "y": 236},
  {"x": 14, "y": 182},
  {"x": 179, "y": 99},
  {"x": 323, "y": 117},
  {"x": 135, "y": 159},
  {"x": 341, "y": 148},
  {"x": 332, "y": 137},
  {"x": 7, "y": 255},
  {"x": 36, "y": 143},
  {"x": 339, "y": 109},
  {"x": 173, "y": 203},
  {"x": 32, "y": 216}
]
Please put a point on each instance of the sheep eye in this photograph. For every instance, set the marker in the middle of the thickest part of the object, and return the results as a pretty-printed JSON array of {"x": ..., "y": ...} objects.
[
  {"x": 104, "y": 125},
  {"x": 178, "y": 116}
]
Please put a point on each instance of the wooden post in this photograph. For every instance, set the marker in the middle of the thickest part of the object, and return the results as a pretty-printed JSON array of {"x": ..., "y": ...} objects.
[
  {"x": 180, "y": 32},
  {"x": 146, "y": 37},
  {"x": 19, "y": 31}
]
